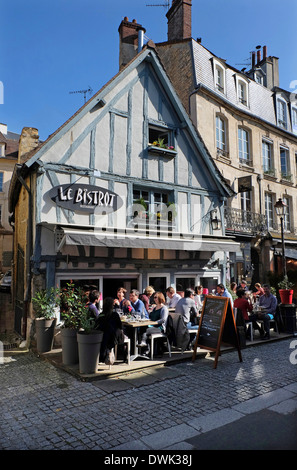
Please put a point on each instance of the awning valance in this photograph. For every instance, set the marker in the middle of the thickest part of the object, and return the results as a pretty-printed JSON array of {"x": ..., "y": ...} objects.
[{"x": 84, "y": 238}]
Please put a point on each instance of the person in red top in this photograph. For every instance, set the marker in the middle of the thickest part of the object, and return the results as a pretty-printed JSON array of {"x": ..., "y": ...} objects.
[{"x": 243, "y": 304}]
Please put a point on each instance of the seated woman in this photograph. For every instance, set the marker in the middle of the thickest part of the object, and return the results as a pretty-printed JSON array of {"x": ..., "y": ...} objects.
[
  {"x": 243, "y": 303},
  {"x": 110, "y": 323},
  {"x": 121, "y": 301},
  {"x": 259, "y": 291},
  {"x": 158, "y": 314}
]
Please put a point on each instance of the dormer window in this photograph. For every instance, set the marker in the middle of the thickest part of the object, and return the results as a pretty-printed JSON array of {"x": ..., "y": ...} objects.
[
  {"x": 294, "y": 120},
  {"x": 242, "y": 90},
  {"x": 282, "y": 113},
  {"x": 219, "y": 77},
  {"x": 2, "y": 150},
  {"x": 259, "y": 76}
]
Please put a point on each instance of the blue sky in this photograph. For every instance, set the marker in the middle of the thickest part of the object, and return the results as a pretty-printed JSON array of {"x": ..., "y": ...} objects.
[{"x": 49, "y": 48}]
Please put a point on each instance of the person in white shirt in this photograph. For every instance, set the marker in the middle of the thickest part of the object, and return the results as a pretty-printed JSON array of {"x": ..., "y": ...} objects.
[
  {"x": 172, "y": 297},
  {"x": 198, "y": 297}
]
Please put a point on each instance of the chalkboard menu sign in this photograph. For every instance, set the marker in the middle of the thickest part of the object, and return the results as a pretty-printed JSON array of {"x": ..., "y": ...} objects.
[{"x": 217, "y": 324}]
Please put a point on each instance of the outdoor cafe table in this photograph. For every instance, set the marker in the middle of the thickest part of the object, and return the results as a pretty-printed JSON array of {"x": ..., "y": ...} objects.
[{"x": 136, "y": 324}]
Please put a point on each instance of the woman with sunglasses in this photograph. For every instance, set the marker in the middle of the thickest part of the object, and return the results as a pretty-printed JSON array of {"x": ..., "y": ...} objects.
[{"x": 158, "y": 314}]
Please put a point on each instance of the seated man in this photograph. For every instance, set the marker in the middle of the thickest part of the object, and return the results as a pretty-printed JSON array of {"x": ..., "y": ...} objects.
[
  {"x": 222, "y": 291},
  {"x": 186, "y": 306},
  {"x": 172, "y": 297},
  {"x": 269, "y": 301},
  {"x": 136, "y": 304}
]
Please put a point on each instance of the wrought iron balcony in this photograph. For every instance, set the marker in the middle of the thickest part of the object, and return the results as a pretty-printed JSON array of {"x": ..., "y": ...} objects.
[{"x": 244, "y": 222}]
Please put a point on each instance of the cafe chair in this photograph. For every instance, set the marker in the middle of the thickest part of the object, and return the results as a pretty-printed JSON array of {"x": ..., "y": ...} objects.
[
  {"x": 154, "y": 336},
  {"x": 128, "y": 342},
  {"x": 177, "y": 332},
  {"x": 273, "y": 324}
]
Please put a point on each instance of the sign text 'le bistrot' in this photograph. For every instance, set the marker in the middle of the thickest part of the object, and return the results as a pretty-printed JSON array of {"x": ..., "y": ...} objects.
[{"x": 85, "y": 198}]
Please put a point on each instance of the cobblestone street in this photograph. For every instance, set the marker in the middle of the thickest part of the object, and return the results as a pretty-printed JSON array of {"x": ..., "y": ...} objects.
[{"x": 45, "y": 408}]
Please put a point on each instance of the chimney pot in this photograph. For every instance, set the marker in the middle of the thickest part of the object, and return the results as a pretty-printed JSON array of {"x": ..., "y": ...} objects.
[
  {"x": 264, "y": 52},
  {"x": 129, "y": 32},
  {"x": 258, "y": 56},
  {"x": 253, "y": 60}
]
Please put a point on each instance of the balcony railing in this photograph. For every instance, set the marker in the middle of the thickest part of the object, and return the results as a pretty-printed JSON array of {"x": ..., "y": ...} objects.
[{"x": 244, "y": 222}]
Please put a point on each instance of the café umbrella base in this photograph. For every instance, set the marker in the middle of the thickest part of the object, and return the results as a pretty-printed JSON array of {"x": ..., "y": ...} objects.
[
  {"x": 69, "y": 346},
  {"x": 45, "y": 331},
  {"x": 88, "y": 351}
]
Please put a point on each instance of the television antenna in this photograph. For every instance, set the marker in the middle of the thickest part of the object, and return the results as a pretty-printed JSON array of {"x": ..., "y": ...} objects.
[
  {"x": 165, "y": 5},
  {"x": 89, "y": 90}
]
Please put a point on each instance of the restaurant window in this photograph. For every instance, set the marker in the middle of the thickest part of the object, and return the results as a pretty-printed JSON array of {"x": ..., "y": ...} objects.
[
  {"x": 183, "y": 283},
  {"x": 155, "y": 208},
  {"x": 159, "y": 282}
]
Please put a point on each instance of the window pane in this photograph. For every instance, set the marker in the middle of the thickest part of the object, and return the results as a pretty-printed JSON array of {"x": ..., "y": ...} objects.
[
  {"x": 287, "y": 227},
  {"x": 243, "y": 142},
  {"x": 1, "y": 181},
  {"x": 283, "y": 162},
  {"x": 266, "y": 153},
  {"x": 220, "y": 133},
  {"x": 269, "y": 210}
]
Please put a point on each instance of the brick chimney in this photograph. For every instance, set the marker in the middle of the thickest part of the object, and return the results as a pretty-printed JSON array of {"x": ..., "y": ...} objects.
[
  {"x": 29, "y": 140},
  {"x": 179, "y": 20},
  {"x": 268, "y": 65},
  {"x": 131, "y": 40}
]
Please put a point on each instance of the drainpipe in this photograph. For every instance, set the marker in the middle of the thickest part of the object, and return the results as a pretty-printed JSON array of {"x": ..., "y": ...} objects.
[
  {"x": 140, "y": 39},
  {"x": 259, "y": 179}
]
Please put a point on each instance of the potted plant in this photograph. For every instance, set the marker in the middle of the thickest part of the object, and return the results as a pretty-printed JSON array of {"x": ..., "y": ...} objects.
[
  {"x": 73, "y": 302},
  {"x": 89, "y": 343},
  {"x": 286, "y": 291},
  {"x": 45, "y": 302}
]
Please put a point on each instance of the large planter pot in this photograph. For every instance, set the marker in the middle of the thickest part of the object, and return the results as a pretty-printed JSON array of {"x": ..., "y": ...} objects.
[
  {"x": 69, "y": 346},
  {"x": 286, "y": 296},
  {"x": 45, "y": 330},
  {"x": 88, "y": 351}
]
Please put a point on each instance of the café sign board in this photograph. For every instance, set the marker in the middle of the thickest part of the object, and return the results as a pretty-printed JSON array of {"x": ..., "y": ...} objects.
[{"x": 85, "y": 198}]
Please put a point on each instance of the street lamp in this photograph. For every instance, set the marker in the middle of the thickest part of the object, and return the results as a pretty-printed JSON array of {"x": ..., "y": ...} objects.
[
  {"x": 215, "y": 222},
  {"x": 280, "y": 208}
]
